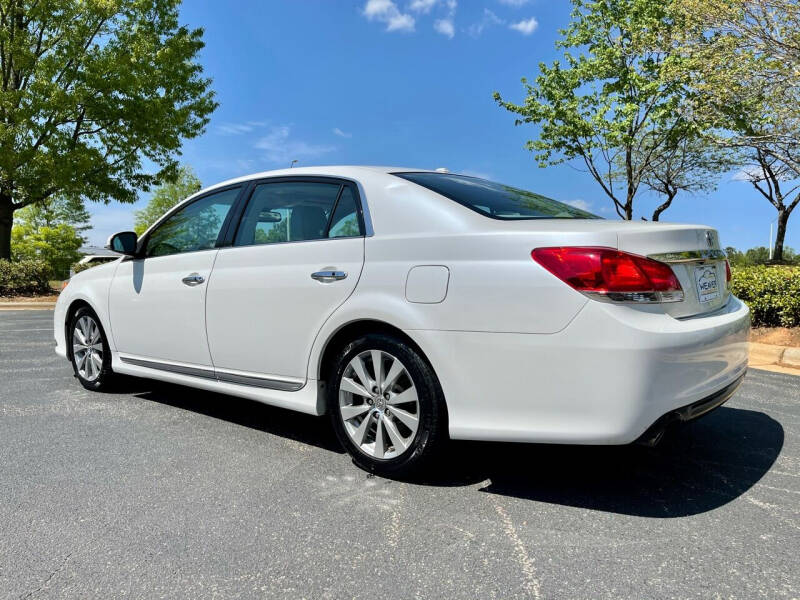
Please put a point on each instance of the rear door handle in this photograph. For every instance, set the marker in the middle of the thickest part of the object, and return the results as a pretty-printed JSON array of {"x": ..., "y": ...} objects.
[
  {"x": 328, "y": 276},
  {"x": 193, "y": 279}
]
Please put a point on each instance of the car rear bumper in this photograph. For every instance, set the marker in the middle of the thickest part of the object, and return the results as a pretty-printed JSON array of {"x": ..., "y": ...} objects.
[
  {"x": 604, "y": 379},
  {"x": 693, "y": 411}
]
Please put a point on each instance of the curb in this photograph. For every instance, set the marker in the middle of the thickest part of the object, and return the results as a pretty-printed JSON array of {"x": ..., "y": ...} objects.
[
  {"x": 27, "y": 305},
  {"x": 764, "y": 355}
]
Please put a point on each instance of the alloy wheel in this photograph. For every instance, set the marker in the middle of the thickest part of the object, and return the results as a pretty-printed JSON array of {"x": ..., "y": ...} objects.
[
  {"x": 378, "y": 404},
  {"x": 87, "y": 348}
]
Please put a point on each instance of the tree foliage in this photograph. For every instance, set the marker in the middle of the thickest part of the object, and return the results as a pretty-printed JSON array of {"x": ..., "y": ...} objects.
[
  {"x": 89, "y": 90},
  {"x": 687, "y": 164},
  {"x": 165, "y": 196},
  {"x": 744, "y": 61},
  {"x": 613, "y": 103},
  {"x": 55, "y": 245},
  {"x": 57, "y": 210},
  {"x": 51, "y": 231}
]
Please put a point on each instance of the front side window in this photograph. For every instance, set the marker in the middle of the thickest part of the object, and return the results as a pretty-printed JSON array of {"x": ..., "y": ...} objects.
[
  {"x": 495, "y": 200},
  {"x": 295, "y": 211},
  {"x": 195, "y": 227}
]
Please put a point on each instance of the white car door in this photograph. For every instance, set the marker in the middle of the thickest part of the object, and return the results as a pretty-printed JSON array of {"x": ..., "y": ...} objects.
[
  {"x": 296, "y": 256},
  {"x": 157, "y": 300}
]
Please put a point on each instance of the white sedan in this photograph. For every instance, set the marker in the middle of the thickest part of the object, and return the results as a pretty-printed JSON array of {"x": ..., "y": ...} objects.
[{"x": 414, "y": 306}]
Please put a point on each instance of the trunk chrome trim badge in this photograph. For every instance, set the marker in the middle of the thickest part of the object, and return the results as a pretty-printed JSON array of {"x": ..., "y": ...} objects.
[{"x": 689, "y": 256}]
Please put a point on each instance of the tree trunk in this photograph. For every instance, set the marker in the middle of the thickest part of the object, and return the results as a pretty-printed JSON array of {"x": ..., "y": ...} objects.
[
  {"x": 628, "y": 208},
  {"x": 783, "y": 219},
  {"x": 657, "y": 212},
  {"x": 6, "y": 221}
]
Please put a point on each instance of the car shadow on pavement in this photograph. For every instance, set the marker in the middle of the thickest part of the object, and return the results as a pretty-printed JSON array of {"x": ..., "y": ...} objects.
[
  {"x": 697, "y": 467},
  {"x": 303, "y": 428}
]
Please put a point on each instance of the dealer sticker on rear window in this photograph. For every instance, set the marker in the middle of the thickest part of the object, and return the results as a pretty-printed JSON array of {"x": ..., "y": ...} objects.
[{"x": 706, "y": 279}]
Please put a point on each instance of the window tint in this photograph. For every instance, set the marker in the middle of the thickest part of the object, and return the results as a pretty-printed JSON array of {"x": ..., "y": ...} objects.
[
  {"x": 195, "y": 227},
  {"x": 494, "y": 199},
  {"x": 294, "y": 211},
  {"x": 345, "y": 221}
]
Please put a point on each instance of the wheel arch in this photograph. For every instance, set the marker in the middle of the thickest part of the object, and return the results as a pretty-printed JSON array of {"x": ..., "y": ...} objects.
[
  {"x": 354, "y": 329},
  {"x": 73, "y": 307}
]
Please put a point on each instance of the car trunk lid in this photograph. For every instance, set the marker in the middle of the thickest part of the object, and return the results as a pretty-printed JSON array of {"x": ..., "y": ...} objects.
[{"x": 694, "y": 254}]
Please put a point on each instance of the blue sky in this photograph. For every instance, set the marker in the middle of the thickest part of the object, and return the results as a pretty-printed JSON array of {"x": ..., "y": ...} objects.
[{"x": 405, "y": 83}]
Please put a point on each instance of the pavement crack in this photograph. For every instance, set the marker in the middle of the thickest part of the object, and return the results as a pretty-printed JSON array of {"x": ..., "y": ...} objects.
[{"x": 49, "y": 577}]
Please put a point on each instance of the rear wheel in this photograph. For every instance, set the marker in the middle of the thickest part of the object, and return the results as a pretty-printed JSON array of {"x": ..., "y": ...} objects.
[
  {"x": 386, "y": 405},
  {"x": 91, "y": 356}
]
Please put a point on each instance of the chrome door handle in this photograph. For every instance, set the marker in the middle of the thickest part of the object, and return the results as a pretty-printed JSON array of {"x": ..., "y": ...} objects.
[
  {"x": 328, "y": 276},
  {"x": 193, "y": 279}
]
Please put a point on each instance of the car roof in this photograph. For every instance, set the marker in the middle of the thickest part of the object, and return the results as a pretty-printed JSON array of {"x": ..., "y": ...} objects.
[{"x": 346, "y": 171}]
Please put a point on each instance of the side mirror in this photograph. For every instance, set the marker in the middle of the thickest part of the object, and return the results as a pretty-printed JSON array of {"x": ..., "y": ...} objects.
[{"x": 123, "y": 242}]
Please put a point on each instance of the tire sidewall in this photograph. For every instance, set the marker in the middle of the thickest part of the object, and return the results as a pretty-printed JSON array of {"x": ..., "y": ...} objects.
[
  {"x": 103, "y": 379},
  {"x": 432, "y": 426}
]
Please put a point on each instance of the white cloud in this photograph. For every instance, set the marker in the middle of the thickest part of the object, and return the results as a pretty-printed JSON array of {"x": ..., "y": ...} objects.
[
  {"x": 234, "y": 128},
  {"x": 514, "y": 3},
  {"x": 525, "y": 27},
  {"x": 278, "y": 147},
  {"x": 422, "y": 6},
  {"x": 489, "y": 19},
  {"x": 748, "y": 174},
  {"x": 579, "y": 204},
  {"x": 386, "y": 11},
  {"x": 445, "y": 27},
  {"x": 240, "y": 128},
  {"x": 341, "y": 133}
]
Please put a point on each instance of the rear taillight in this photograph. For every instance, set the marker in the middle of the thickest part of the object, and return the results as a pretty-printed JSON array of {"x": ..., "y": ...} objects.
[
  {"x": 610, "y": 274},
  {"x": 727, "y": 271}
]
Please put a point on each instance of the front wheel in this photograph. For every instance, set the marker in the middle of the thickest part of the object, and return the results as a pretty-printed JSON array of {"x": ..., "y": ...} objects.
[
  {"x": 91, "y": 356},
  {"x": 386, "y": 405}
]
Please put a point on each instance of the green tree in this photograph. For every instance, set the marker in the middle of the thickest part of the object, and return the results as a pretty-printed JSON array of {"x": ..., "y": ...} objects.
[
  {"x": 89, "y": 90},
  {"x": 165, "y": 196},
  {"x": 735, "y": 257},
  {"x": 609, "y": 104},
  {"x": 56, "y": 211},
  {"x": 743, "y": 58},
  {"x": 57, "y": 245},
  {"x": 689, "y": 164}
]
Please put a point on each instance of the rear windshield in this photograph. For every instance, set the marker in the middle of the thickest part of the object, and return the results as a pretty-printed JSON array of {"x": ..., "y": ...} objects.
[{"x": 495, "y": 200}]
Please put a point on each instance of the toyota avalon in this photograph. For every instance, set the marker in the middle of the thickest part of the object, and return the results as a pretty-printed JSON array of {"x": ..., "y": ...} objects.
[{"x": 415, "y": 306}]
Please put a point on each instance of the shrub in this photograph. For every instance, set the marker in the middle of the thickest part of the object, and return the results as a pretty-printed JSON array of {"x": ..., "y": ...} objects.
[
  {"x": 24, "y": 277},
  {"x": 772, "y": 293}
]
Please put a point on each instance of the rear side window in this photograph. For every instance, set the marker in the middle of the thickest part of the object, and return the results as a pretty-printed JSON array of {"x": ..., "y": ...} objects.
[
  {"x": 345, "y": 221},
  {"x": 495, "y": 200},
  {"x": 295, "y": 211}
]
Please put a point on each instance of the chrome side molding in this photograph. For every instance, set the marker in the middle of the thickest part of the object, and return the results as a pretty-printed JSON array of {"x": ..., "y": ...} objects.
[
  {"x": 218, "y": 375},
  {"x": 179, "y": 369},
  {"x": 255, "y": 381}
]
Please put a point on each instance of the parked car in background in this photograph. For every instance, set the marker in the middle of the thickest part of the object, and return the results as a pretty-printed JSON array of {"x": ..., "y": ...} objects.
[
  {"x": 92, "y": 257},
  {"x": 412, "y": 306},
  {"x": 95, "y": 259}
]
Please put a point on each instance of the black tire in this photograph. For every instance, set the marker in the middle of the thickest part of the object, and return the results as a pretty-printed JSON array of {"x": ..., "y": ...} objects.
[
  {"x": 104, "y": 380},
  {"x": 432, "y": 414}
]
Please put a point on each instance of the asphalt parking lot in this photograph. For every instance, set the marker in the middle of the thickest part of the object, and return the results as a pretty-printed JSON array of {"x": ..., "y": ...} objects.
[{"x": 163, "y": 491}]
